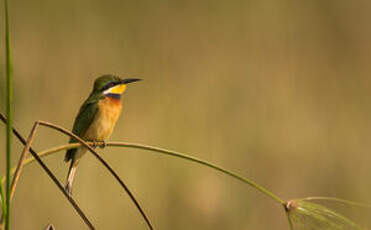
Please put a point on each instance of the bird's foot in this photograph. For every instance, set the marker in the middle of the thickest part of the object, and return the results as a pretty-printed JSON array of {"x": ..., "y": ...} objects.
[
  {"x": 94, "y": 144},
  {"x": 103, "y": 145},
  {"x": 100, "y": 144}
]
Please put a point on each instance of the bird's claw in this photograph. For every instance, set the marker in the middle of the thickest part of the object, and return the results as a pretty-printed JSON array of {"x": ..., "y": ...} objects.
[
  {"x": 103, "y": 145},
  {"x": 94, "y": 144},
  {"x": 100, "y": 144}
]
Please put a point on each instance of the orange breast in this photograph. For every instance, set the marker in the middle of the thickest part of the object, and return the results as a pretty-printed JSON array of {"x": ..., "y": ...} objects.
[{"x": 109, "y": 110}]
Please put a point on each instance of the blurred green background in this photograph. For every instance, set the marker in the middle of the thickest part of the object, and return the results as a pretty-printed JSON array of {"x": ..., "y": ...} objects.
[{"x": 275, "y": 90}]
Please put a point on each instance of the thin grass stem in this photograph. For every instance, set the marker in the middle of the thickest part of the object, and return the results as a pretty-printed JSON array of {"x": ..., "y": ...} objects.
[
  {"x": 9, "y": 112},
  {"x": 2, "y": 197},
  {"x": 44, "y": 154},
  {"x": 22, "y": 158},
  {"x": 202, "y": 162},
  {"x": 105, "y": 164},
  {"x": 291, "y": 225},
  {"x": 52, "y": 176},
  {"x": 166, "y": 152},
  {"x": 148, "y": 148}
]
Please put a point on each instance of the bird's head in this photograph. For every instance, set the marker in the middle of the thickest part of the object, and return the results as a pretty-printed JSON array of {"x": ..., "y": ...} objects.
[{"x": 111, "y": 85}]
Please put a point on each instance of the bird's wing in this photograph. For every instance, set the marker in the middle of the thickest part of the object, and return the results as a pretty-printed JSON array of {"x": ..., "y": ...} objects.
[{"x": 82, "y": 122}]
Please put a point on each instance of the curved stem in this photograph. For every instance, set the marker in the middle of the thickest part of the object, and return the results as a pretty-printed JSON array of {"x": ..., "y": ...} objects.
[
  {"x": 105, "y": 164},
  {"x": 203, "y": 162},
  {"x": 50, "y": 174},
  {"x": 43, "y": 154},
  {"x": 171, "y": 153}
]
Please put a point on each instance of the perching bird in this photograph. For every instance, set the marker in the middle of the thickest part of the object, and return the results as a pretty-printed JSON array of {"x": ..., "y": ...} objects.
[{"x": 97, "y": 117}]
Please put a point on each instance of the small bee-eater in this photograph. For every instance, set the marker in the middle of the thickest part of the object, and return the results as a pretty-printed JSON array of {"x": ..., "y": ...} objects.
[{"x": 97, "y": 117}]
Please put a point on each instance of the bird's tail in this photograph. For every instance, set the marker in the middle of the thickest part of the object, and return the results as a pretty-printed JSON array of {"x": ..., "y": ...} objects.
[{"x": 70, "y": 177}]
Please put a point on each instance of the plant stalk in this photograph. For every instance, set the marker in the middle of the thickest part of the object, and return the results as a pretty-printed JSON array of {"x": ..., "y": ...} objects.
[
  {"x": 166, "y": 152},
  {"x": 50, "y": 174},
  {"x": 9, "y": 112}
]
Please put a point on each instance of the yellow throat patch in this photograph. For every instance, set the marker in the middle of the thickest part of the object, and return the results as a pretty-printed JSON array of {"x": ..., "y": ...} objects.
[{"x": 118, "y": 89}]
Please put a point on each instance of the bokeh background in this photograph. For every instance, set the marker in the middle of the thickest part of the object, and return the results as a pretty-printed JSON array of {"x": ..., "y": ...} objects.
[{"x": 277, "y": 91}]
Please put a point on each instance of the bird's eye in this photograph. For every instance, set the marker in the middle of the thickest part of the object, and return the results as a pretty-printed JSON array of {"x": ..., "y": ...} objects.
[{"x": 108, "y": 85}]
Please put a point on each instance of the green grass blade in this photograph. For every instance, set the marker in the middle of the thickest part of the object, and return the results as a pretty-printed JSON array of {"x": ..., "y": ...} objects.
[
  {"x": 2, "y": 197},
  {"x": 9, "y": 112}
]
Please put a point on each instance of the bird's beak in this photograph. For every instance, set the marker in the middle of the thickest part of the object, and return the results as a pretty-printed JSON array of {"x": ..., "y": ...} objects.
[{"x": 129, "y": 80}]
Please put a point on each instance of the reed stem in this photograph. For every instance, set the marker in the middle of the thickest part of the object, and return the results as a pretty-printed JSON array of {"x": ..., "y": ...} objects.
[
  {"x": 9, "y": 113},
  {"x": 166, "y": 152}
]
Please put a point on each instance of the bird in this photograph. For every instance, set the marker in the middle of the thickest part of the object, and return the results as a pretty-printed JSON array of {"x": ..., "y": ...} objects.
[{"x": 96, "y": 118}]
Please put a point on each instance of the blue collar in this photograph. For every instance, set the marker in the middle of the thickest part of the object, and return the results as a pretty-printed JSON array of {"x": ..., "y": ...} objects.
[{"x": 114, "y": 95}]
